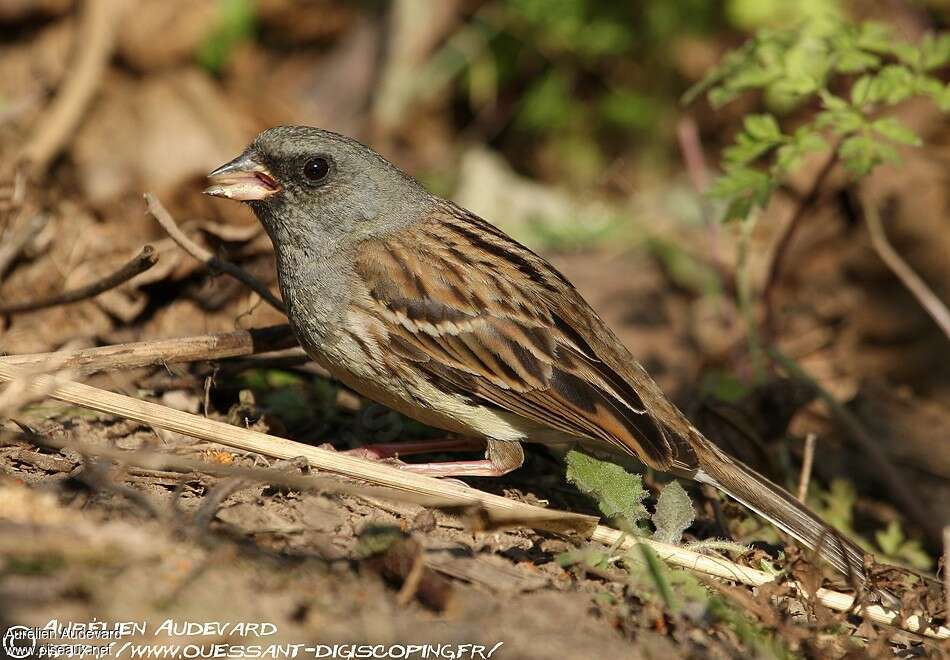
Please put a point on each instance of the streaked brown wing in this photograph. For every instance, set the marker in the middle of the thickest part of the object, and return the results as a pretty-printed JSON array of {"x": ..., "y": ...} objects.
[{"x": 481, "y": 314}]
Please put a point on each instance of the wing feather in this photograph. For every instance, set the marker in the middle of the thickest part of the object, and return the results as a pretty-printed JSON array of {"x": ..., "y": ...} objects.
[{"x": 509, "y": 331}]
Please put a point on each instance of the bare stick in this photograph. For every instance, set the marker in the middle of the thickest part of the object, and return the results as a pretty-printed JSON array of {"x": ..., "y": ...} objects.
[
  {"x": 807, "y": 460},
  {"x": 141, "y": 263},
  {"x": 781, "y": 248},
  {"x": 165, "y": 351},
  {"x": 910, "y": 279},
  {"x": 95, "y": 40},
  {"x": 855, "y": 429},
  {"x": 20, "y": 237},
  {"x": 157, "y": 211},
  {"x": 428, "y": 487}
]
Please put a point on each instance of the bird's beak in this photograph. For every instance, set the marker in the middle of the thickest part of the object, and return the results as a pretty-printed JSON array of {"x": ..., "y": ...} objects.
[{"x": 243, "y": 179}]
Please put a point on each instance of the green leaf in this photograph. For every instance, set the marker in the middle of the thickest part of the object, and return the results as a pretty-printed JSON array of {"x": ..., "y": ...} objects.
[
  {"x": 745, "y": 150},
  {"x": 806, "y": 139},
  {"x": 875, "y": 37},
  {"x": 935, "y": 51},
  {"x": 842, "y": 122},
  {"x": 893, "y": 84},
  {"x": 891, "y": 539},
  {"x": 859, "y": 154},
  {"x": 619, "y": 494},
  {"x": 674, "y": 513},
  {"x": 855, "y": 61},
  {"x": 859, "y": 92},
  {"x": 893, "y": 129},
  {"x": 907, "y": 53},
  {"x": 763, "y": 128}
]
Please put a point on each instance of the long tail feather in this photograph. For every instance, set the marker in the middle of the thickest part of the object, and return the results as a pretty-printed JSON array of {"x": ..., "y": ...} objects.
[{"x": 780, "y": 508}]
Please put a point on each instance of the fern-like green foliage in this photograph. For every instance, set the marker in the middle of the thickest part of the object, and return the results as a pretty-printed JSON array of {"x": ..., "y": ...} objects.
[
  {"x": 619, "y": 494},
  {"x": 855, "y": 72}
]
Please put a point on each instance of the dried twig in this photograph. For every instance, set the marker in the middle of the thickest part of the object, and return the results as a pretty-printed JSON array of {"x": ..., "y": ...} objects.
[
  {"x": 164, "y": 218},
  {"x": 165, "y": 351},
  {"x": 925, "y": 296},
  {"x": 781, "y": 248},
  {"x": 855, "y": 429},
  {"x": 807, "y": 460},
  {"x": 141, "y": 263},
  {"x": 95, "y": 40},
  {"x": 19, "y": 238},
  {"x": 449, "y": 492}
]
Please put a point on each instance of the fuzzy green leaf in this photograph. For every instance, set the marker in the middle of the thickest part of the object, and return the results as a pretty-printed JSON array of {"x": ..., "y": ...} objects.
[
  {"x": 674, "y": 513},
  {"x": 619, "y": 494}
]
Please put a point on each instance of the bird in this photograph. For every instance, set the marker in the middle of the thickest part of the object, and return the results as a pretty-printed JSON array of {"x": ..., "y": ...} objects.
[{"x": 423, "y": 306}]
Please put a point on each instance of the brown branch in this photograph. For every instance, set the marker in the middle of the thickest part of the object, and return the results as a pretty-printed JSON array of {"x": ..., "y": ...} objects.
[
  {"x": 19, "y": 238},
  {"x": 95, "y": 41},
  {"x": 910, "y": 279},
  {"x": 164, "y": 351},
  {"x": 164, "y": 218},
  {"x": 781, "y": 248},
  {"x": 141, "y": 263}
]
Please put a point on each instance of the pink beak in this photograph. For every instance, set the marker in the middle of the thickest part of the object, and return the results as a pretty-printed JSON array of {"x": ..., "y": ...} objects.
[{"x": 243, "y": 179}]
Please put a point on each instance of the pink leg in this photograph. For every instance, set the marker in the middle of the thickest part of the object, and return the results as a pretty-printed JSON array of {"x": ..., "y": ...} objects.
[
  {"x": 396, "y": 449},
  {"x": 502, "y": 457},
  {"x": 480, "y": 468}
]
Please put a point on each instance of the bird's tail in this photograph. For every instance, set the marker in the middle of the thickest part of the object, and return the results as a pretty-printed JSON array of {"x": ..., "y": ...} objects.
[{"x": 780, "y": 508}]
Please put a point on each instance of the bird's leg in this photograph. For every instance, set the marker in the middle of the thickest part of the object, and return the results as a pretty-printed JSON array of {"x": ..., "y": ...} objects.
[
  {"x": 383, "y": 450},
  {"x": 500, "y": 458}
]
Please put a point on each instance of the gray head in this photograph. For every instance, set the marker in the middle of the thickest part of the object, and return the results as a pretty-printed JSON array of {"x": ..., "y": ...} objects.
[{"x": 309, "y": 185}]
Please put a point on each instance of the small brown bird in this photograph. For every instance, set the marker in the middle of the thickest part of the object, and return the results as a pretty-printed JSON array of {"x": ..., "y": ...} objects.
[{"x": 423, "y": 306}]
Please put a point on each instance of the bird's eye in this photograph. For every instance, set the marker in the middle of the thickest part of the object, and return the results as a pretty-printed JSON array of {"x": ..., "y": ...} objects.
[{"x": 316, "y": 169}]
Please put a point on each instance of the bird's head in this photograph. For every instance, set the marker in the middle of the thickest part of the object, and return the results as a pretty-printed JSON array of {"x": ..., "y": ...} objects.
[{"x": 306, "y": 183}]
